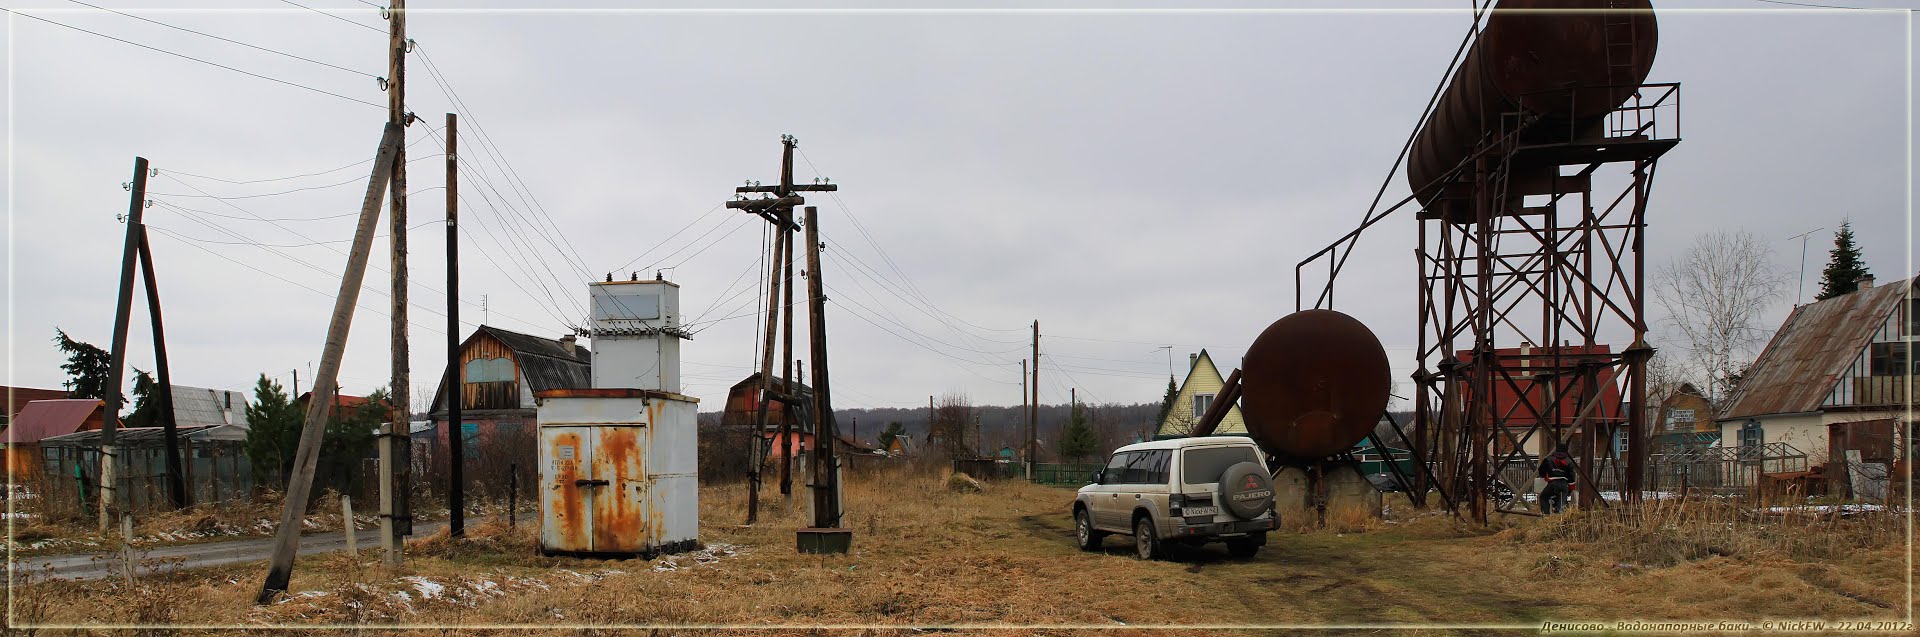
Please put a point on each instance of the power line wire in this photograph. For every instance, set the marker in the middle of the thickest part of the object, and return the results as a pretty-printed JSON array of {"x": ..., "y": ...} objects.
[
  {"x": 189, "y": 242},
  {"x": 509, "y": 277},
  {"x": 861, "y": 228},
  {"x": 508, "y": 172},
  {"x": 189, "y": 57},
  {"x": 287, "y": 245},
  {"x": 709, "y": 246},
  {"x": 524, "y": 245},
  {"x": 312, "y": 174},
  {"x": 355, "y": 180},
  {"x": 362, "y": 25},
  {"x": 275, "y": 224},
  {"x": 670, "y": 237},
  {"x": 250, "y": 46}
]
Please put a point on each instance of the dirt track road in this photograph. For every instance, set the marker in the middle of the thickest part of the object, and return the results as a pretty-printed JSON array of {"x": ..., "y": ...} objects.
[{"x": 86, "y": 566}]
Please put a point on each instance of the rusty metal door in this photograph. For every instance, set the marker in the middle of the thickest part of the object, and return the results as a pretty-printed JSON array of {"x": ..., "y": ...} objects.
[
  {"x": 623, "y": 520},
  {"x": 567, "y": 496}
]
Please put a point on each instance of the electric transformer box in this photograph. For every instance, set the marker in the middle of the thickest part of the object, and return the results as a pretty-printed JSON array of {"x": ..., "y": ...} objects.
[{"x": 617, "y": 472}]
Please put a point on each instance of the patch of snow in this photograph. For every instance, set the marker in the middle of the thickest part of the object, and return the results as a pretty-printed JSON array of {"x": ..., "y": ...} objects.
[
  {"x": 427, "y": 588},
  {"x": 486, "y": 587},
  {"x": 1828, "y": 508}
]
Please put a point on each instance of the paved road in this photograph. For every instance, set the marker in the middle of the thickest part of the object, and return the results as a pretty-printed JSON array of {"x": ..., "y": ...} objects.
[{"x": 85, "y": 566}]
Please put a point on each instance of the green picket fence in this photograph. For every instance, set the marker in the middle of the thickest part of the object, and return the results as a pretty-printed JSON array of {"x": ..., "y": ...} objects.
[{"x": 1064, "y": 474}]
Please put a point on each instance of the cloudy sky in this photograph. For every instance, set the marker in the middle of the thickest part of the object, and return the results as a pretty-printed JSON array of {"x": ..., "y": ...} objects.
[{"x": 1131, "y": 180}]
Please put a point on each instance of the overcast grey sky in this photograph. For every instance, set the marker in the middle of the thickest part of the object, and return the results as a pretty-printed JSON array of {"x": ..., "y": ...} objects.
[{"x": 1130, "y": 180}]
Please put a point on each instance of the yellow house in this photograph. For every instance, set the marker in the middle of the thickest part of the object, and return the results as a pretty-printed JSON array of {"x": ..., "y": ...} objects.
[{"x": 1196, "y": 395}]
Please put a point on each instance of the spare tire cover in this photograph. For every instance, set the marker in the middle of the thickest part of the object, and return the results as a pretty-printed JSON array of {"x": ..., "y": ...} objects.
[{"x": 1246, "y": 490}]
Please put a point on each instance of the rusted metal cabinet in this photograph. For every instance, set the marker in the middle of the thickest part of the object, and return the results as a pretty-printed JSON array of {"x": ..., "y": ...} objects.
[{"x": 617, "y": 472}]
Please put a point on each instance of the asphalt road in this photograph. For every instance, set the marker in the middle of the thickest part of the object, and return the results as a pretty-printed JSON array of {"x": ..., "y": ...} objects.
[{"x": 86, "y": 566}]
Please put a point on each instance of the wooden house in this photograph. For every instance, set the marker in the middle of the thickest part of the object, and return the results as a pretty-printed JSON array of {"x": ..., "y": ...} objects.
[
  {"x": 499, "y": 372},
  {"x": 1195, "y": 396},
  {"x": 1837, "y": 377}
]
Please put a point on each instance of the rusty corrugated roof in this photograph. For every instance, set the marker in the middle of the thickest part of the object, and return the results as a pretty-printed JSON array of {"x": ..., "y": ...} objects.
[
  {"x": 1797, "y": 370},
  {"x": 43, "y": 419}
]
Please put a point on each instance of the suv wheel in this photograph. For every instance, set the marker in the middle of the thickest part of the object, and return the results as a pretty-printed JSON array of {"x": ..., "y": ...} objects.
[
  {"x": 1146, "y": 545},
  {"x": 1083, "y": 530}
]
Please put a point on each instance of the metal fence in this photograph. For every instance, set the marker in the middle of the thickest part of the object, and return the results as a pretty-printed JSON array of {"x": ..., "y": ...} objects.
[
  {"x": 1064, "y": 474},
  {"x": 987, "y": 468},
  {"x": 216, "y": 471}
]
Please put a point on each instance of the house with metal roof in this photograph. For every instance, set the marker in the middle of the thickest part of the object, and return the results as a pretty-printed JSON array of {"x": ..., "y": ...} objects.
[
  {"x": 743, "y": 405},
  {"x": 43, "y": 419},
  {"x": 500, "y": 370},
  {"x": 203, "y": 406},
  {"x": 18, "y": 397},
  {"x": 1196, "y": 394},
  {"x": 1836, "y": 377}
]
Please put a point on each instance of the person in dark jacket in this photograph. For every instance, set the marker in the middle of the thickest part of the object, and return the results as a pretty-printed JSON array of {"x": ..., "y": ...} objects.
[{"x": 1557, "y": 469}]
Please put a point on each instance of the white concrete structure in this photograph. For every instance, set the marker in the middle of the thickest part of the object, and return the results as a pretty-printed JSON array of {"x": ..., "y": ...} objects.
[
  {"x": 618, "y": 460},
  {"x": 636, "y": 335}
]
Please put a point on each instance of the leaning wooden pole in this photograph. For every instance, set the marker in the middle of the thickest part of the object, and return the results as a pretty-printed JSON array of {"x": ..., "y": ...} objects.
[
  {"x": 766, "y": 385},
  {"x": 286, "y": 542},
  {"x": 176, "y": 477}
]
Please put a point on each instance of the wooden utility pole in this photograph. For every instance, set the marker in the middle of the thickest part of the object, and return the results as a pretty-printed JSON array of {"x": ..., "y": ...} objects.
[
  {"x": 826, "y": 474},
  {"x": 1026, "y": 416},
  {"x": 456, "y": 382},
  {"x": 118, "y": 356},
  {"x": 766, "y": 380},
  {"x": 176, "y": 478},
  {"x": 1033, "y": 422},
  {"x": 776, "y": 206},
  {"x": 326, "y": 386},
  {"x": 786, "y": 347},
  {"x": 396, "y": 466}
]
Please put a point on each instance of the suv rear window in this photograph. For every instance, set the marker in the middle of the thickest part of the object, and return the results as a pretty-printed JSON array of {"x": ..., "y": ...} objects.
[{"x": 1204, "y": 465}]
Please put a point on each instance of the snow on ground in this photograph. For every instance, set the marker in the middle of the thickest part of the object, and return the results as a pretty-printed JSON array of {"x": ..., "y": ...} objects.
[
  {"x": 427, "y": 588},
  {"x": 1828, "y": 508}
]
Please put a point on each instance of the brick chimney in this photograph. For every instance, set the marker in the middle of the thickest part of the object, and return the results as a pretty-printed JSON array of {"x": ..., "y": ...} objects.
[
  {"x": 1192, "y": 359},
  {"x": 566, "y": 342},
  {"x": 1865, "y": 281}
]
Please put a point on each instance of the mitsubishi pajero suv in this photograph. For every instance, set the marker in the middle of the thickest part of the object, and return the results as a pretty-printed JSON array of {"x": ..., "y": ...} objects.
[{"x": 1186, "y": 490}]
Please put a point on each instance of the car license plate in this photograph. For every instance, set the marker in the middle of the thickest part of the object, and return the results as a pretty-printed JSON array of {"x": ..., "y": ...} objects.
[{"x": 1199, "y": 511}]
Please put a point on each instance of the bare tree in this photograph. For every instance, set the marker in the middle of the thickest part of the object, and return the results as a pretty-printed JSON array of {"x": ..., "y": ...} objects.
[
  {"x": 1664, "y": 376},
  {"x": 1713, "y": 295},
  {"x": 953, "y": 427},
  {"x": 1181, "y": 423}
]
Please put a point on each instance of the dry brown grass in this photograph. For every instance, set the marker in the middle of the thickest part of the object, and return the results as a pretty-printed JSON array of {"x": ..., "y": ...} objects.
[{"x": 926, "y": 556}]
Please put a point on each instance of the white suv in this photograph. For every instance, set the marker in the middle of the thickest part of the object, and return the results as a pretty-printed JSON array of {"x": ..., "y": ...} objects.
[{"x": 1185, "y": 490}]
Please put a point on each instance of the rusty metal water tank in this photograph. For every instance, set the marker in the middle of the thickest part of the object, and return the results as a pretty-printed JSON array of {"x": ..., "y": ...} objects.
[
  {"x": 1561, "y": 59},
  {"x": 1313, "y": 384}
]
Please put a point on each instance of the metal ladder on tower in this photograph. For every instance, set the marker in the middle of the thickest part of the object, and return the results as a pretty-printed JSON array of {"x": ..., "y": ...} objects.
[{"x": 1621, "y": 37}]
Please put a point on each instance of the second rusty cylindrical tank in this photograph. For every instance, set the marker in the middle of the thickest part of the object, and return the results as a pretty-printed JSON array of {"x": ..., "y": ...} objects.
[
  {"x": 1313, "y": 384},
  {"x": 1559, "y": 59}
]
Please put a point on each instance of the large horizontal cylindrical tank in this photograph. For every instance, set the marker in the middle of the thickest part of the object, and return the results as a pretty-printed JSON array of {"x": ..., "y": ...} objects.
[
  {"x": 1559, "y": 59},
  {"x": 1313, "y": 384}
]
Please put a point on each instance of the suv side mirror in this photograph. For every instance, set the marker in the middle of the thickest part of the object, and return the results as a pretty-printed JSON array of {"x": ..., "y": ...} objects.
[{"x": 1095, "y": 479}]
